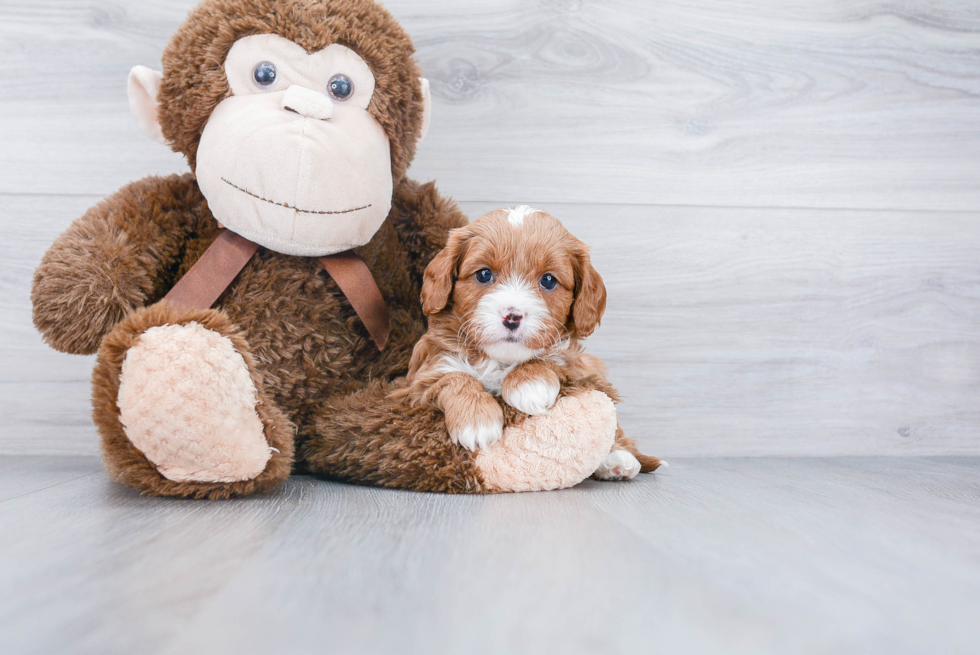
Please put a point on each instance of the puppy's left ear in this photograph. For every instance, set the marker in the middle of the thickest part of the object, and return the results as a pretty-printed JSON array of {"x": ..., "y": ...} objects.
[
  {"x": 590, "y": 295},
  {"x": 441, "y": 272}
]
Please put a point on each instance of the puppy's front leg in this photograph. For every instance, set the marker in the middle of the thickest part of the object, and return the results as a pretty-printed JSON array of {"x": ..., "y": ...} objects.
[
  {"x": 474, "y": 419},
  {"x": 532, "y": 387}
]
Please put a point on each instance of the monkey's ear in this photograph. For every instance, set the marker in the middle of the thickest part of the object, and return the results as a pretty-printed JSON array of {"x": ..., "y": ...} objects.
[
  {"x": 426, "y": 107},
  {"x": 143, "y": 85}
]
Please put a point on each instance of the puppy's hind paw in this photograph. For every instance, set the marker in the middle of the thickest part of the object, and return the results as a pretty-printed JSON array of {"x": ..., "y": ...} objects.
[
  {"x": 477, "y": 435},
  {"x": 619, "y": 465}
]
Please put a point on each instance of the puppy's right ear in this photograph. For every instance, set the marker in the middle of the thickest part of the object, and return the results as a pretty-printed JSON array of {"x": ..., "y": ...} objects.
[
  {"x": 590, "y": 295},
  {"x": 441, "y": 272}
]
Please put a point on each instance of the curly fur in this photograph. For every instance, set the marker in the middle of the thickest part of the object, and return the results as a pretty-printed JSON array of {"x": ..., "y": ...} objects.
[
  {"x": 321, "y": 383},
  {"x": 125, "y": 463},
  {"x": 375, "y": 437},
  {"x": 307, "y": 343},
  {"x": 122, "y": 254},
  {"x": 367, "y": 438}
]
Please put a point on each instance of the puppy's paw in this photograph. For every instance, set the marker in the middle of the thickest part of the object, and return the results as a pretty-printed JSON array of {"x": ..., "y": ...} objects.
[
  {"x": 477, "y": 434},
  {"x": 533, "y": 397},
  {"x": 475, "y": 421},
  {"x": 619, "y": 465}
]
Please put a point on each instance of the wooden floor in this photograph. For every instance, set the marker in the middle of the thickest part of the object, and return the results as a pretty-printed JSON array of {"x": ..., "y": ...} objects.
[
  {"x": 767, "y": 555},
  {"x": 782, "y": 197}
]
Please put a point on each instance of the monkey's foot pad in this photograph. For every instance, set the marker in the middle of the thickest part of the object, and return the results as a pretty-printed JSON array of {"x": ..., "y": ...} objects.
[
  {"x": 187, "y": 401},
  {"x": 555, "y": 450}
]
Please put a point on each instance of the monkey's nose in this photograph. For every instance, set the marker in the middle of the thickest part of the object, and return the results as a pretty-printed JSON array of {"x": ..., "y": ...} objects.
[{"x": 307, "y": 102}]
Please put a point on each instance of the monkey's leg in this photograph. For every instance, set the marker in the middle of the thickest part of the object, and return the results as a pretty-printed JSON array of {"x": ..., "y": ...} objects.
[
  {"x": 181, "y": 408},
  {"x": 368, "y": 438}
]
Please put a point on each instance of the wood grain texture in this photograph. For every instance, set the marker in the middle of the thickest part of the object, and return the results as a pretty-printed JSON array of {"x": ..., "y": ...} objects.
[
  {"x": 753, "y": 332},
  {"x": 865, "y": 103},
  {"x": 45, "y": 394},
  {"x": 730, "y": 332},
  {"x": 869, "y": 555}
]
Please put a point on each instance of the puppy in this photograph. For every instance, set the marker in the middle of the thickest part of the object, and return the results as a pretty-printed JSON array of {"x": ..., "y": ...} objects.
[{"x": 509, "y": 300}]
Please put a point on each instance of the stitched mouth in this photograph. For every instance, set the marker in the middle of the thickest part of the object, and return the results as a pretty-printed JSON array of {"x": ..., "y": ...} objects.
[{"x": 288, "y": 206}]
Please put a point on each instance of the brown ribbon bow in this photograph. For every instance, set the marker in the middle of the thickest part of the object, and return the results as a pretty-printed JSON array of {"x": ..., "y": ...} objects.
[{"x": 224, "y": 259}]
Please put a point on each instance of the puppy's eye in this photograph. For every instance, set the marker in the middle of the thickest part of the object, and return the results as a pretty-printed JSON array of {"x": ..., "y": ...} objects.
[
  {"x": 484, "y": 276},
  {"x": 265, "y": 74},
  {"x": 340, "y": 87},
  {"x": 549, "y": 281}
]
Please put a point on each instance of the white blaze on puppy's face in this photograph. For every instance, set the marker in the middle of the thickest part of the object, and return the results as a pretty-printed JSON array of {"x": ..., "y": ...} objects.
[
  {"x": 514, "y": 297},
  {"x": 512, "y": 284},
  {"x": 293, "y": 160}
]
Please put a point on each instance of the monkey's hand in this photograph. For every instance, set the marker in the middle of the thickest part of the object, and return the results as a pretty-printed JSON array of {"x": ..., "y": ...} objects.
[{"x": 111, "y": 261}]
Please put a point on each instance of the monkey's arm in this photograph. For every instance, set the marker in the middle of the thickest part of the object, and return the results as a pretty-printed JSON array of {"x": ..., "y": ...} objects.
[
  {"x": 370, "y": 437},
  {"x": 423, "y": 219},
  {"x": 121, "y": 255}
]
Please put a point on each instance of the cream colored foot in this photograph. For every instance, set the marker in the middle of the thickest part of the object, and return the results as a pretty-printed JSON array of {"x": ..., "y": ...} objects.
[
  {"x": 552, "y": 451},
  {"x": 187, "y": 401}
]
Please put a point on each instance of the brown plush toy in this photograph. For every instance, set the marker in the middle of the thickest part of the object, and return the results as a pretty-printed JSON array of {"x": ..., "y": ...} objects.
[{"x": 251, "y": 316}]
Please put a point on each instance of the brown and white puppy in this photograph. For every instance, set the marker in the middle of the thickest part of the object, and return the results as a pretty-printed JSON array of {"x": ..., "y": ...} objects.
[{"x": 509, "y": 300}]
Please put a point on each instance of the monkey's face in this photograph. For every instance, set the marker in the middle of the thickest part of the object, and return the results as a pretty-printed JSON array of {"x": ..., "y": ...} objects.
[{"x": 293, "y": 159}]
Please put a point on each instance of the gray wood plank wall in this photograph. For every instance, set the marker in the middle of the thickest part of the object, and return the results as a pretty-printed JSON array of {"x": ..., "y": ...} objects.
[{"x": 784, "y": 199}]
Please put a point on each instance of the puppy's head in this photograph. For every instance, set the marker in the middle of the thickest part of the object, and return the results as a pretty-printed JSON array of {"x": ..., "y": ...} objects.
[{"x": 517, "y": 282}]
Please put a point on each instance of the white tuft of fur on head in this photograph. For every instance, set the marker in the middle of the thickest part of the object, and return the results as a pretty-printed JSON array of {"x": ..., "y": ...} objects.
[
  {"x": 516, "y": 215},
  {"x": 499, "y": 343}
]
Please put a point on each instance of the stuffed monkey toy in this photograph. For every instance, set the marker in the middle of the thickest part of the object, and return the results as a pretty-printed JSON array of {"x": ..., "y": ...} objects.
[{"x": 251, "y": 316}]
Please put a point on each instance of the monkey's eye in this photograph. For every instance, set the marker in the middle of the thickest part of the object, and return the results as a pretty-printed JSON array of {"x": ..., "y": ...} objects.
[
  {"x": 265, "y": 74},
  {"x": 340, "y": 87},
  {"x": 549, "y": 282},
  {"x": 484, "y": 276}
]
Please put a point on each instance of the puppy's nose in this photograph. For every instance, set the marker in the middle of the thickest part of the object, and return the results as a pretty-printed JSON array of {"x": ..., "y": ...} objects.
[
  {"x": 513, "y": 320},
  {"x": 307, "y": 102}
]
